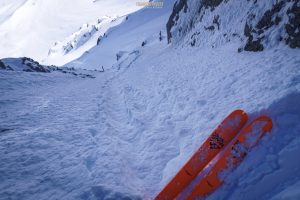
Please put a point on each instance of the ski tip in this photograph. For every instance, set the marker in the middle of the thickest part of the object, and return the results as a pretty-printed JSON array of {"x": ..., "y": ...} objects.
[
  {"x": 241, "y": 113},
  {"x": 268, "y": 122}
]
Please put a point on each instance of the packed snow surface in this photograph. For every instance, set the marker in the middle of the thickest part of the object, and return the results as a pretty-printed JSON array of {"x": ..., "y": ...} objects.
[
  {"x": 128, "y": 131},
  {"x": 125, "y": 133}
]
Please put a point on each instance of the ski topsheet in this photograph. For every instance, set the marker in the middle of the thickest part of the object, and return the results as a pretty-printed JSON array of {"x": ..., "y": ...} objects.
[
  {"x": 232, "y": 156},
  {"x": 220, "y": 137}
]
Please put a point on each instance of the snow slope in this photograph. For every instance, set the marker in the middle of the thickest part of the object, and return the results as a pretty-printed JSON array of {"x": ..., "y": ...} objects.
[
  {"x": 127, "y": 38},
  {"x": 31, "y": 27},
  {"x": 74, "y": 46},
  {"x": 8, "y": 7},
  {"x": 124, "y": 134},
  {"x": 128, "y": 131}
]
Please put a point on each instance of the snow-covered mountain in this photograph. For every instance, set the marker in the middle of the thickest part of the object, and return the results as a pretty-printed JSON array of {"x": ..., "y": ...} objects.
[
  {"x": 31, "y": 27},
  {"x": 166, "y": 77},
  {"x": 126, "y": 41},
  {"x": 257, "y": 24},
  {"x": 29, "y": 65},
  {"x": 74, "y": 46}
]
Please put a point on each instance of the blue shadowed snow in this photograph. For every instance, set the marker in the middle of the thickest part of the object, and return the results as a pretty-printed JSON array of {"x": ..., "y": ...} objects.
[{"x": 125, "y": 134}]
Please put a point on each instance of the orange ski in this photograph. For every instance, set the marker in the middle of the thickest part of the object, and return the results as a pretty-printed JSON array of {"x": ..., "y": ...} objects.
[
  {"x": 232, "y": 156},
  {"x": 221, "y": 136}
]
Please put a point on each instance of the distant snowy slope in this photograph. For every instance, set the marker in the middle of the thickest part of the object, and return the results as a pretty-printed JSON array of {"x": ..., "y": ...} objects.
[
  {"x": 88, "y": 36},
  {"x": 8, "y": 7},
  {"x": 126, "y": 39},
  {"x": 31, "y": 27}
]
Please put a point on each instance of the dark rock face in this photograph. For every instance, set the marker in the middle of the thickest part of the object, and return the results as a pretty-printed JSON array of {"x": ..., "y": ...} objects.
[
  {"x": 211, "y": 3},
  {"x": 144, "y": 43},
  {"x": 254, "y": 46},
  {"x": 217, "y": 21},
  {"x": 182, "y": 5},
  {"x": 5, "y": 67},
  {"x": 2, "y": 66},
  {"x": 99, "y": 40},
  {"x": 265, "y": 23},
  {"x": 29, "y": 65},
  {"x": 34, "y": 66},
  {"x": 255, "y": 34},
  {"x": 215, "y": 24},
  {"x": 293, "y": 27},
  {"x": 271, "y": 19},
  {"x": 210, "y": 28},
  {"x": 178, "y": 6}
]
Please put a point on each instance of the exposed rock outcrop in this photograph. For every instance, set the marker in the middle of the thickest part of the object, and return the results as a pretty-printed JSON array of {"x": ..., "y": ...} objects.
[{"x": 256, "y": 25}]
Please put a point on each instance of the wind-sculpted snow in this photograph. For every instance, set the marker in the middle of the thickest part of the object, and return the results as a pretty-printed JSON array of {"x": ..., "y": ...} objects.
[{"x": 124, "y": 134}]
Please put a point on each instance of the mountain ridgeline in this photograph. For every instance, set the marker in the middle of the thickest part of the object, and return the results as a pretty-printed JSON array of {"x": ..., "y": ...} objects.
[{"x": 255, "y": 25}]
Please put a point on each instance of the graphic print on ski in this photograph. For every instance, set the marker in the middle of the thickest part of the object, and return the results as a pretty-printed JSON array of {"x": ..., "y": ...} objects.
[
  {"x": 220, "y": 137},
  {"x": 232, "y": 156}
]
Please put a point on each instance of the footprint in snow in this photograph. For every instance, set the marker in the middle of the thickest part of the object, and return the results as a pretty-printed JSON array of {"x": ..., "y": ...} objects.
[{"x": 93, "y": 132}]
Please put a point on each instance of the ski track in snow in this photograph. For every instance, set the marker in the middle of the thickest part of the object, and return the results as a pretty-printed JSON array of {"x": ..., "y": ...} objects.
[{"x": 127, "y": 132}]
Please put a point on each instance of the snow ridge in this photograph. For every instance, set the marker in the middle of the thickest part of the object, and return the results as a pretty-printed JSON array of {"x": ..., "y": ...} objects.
[{"x": 88, "y": 36}]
